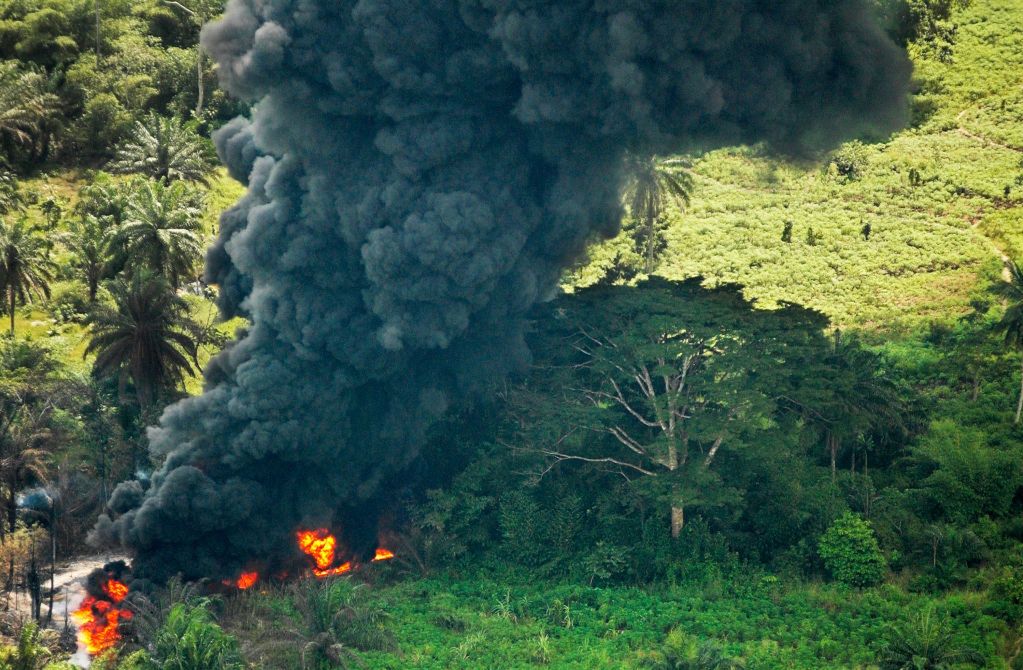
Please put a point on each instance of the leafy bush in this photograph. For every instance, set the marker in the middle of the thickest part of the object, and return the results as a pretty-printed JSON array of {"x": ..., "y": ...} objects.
[
  {"x": 29, "y": 653},
  {"x": 190, "y": 639},
  {"x": 850, "y": 552},
  {"x": 337, "y": 621}
]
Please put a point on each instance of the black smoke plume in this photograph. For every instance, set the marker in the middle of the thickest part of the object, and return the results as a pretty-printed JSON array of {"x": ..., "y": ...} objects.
[{"x": 419, "y": 174}]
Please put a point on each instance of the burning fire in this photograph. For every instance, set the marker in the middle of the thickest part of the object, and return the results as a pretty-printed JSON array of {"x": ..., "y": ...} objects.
[
  {"x": 321, "y": 546},
  {"x": 98, "y": 619},
  {"x": 247, "y": 580}
]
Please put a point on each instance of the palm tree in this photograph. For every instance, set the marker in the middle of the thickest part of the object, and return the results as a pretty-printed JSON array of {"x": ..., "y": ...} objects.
[
  {"x": 24, "y": 103},
  {"x": 924, "y": 643},
  {"x": 1011, "y": 325},
  {"x": 106, "y": 199},
  {"x": 25, "y": 270},
  {"x": 24, "y": 458},
  {"x": 89, "y": 242},
  {"x": 10, "y": 194},
  {"x": 162, "y": 148},
  {"x": 337, "y": 621},
  {"x": 852, "y": 397},
  {"x": 162, "y": 231},
  {"x": 147, "y": 337},
  {"x": 684, "y": 652},
  {"x": 652, "y": 185}
]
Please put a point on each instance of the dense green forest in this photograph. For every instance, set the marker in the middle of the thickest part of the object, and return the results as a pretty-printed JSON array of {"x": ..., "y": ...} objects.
[{"x": 775, "y": 423}]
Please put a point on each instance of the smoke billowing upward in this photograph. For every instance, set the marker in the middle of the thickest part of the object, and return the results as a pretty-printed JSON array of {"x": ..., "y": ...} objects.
[{"x": 419, "y": 174}]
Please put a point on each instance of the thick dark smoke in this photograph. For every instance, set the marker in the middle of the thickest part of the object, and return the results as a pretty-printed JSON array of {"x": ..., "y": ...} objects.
[{"x": 419, "y": 175}]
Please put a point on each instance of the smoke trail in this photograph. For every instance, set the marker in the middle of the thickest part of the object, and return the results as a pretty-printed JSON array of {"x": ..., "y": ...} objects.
[{"x": 419, "y": 174}]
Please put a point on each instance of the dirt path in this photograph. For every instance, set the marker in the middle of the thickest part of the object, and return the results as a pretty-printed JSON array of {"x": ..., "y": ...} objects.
[{"x": 69, "y": 591}]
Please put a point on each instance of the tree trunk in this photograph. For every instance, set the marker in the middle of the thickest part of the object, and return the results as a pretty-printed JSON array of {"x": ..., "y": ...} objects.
[
  {"x": 1019, "y": 404},
  {"x": 12, "y": 305},
  {"x": 198, "y": 69},
  {"x": 53, "y": 559},
  {"x": 649, "y": 244},
  {"x": 833, "y": 447},
  {"x": 678, "y": 519},
  {"x": 12, "y": 509},
  {"x": 96, "y": 4}
]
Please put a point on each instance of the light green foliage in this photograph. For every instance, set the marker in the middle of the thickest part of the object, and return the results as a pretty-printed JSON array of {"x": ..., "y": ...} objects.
[
  {"x": 931, "y": 234},
  {"x": 164, "y": 149},
  {"x": 451, "y": 623},
  {"x": 29, "y": 653},
  {"x": 338, "y": 619},
  {"x": 850, "y": 552},
  {"x": 162, "y": 231},
  {"x": 684, "y": 652}
]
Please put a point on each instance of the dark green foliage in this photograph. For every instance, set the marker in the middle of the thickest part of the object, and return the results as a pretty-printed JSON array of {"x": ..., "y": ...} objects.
[
  {"x": 928, "y": 22},
  {"x": 963, "y": 478},
  {"x": 851, "y": 553},
  {"x": 147, "y": 338},
  {"x": 25, "y": 267}
]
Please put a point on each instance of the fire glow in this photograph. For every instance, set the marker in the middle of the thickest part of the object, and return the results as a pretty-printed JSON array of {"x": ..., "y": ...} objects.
[
  {"x": 247, "y": 580},
  {"x": 98, "y": 619},
  {"x": 321, "y": 546}
]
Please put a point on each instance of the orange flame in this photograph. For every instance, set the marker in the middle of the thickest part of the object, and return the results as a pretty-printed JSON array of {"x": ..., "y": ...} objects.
[
  {"x": 98, "y": 619},
  {"x": 115, "y": 590},
  {"x": 331, "y": 572},
  {"x": 247, "y": 580},
  {"x": 318, "y": 544},
  {"x": 321, "y": 546}
]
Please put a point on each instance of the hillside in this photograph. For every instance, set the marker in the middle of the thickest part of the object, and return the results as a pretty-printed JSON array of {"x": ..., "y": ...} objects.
[{"x": 943, "y": 198}]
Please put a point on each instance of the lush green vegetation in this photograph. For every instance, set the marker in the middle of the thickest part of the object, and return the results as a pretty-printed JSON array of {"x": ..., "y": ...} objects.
[{"x": 774, "y": 424}]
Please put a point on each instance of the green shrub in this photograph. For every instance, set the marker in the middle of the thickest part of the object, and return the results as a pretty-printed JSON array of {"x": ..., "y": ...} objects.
[
  {"x": 850, "y": 552},
  {"x": 190, "y": 639},
  {"x": 29, "y": 653}
]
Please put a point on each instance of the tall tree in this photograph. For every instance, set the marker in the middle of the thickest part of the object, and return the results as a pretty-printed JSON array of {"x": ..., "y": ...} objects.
[
  {"x": 1011, "y": 324},
  {"x": 162, "y": 231},
  {"x": 31, "y": 392},
  {"x": 25, "y": 270},
  {"x": 670, "y": 374},
  {"x": 653, "y": 184},
  {"x": 147, "y": 337},
  {"x": 163, "y": 148},
  {"x": 89, "y": 241}
]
